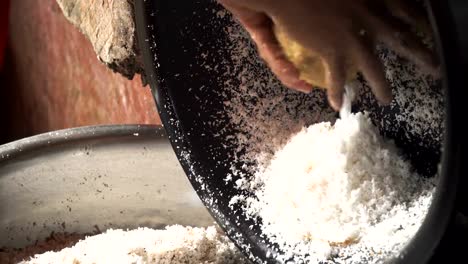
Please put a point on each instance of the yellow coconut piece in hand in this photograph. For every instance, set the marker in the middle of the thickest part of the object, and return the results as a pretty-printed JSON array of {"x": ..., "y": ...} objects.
[{"x": 311, "y": 66}]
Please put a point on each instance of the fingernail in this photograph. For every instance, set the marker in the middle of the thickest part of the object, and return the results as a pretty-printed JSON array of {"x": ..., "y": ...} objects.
[
  {"x": 335, "y": 103},
  {"x": 387, "y": 100},
  {"x": 298, "y": 88},
  {"x": 304, "y": 87},
  {"x": 306, "y": 91}
]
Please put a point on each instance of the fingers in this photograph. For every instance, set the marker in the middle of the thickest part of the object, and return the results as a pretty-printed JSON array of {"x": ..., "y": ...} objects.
[
  {"x": 256, "y": 5},
  {"x": 336, "y": 79},
  {"x": 260, "y": 28},
  {"x": 371, "y": 67},
  {"x": 250, "y": 19},
  {"x": 271, "y": 51},
  {"x": 407, "y": 45}
]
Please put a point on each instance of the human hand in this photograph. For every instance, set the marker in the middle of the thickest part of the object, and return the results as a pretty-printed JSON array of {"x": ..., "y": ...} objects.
[{"x": 342, "y": 33}]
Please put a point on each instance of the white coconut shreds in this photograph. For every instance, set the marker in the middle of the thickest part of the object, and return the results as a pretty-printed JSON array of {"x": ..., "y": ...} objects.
[
  {"x": 175, "y": 244},
  {"x": 339, "y": 194}
]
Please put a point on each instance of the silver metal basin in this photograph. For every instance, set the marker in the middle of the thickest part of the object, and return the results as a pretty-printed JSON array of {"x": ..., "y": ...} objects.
[{"x": 106, "y": 176}]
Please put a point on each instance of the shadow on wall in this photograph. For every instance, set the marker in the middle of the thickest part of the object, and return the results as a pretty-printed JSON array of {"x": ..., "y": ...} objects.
[{"x": 9, "y": 107}]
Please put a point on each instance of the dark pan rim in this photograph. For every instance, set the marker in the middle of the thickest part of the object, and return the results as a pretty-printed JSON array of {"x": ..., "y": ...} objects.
[{"x": 425, "y": 242}]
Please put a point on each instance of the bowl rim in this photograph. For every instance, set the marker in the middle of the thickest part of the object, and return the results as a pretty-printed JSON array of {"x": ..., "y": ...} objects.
[{"x": 14, "y": 149}]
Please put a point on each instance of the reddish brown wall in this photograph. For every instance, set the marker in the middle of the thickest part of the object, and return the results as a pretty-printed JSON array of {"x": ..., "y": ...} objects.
[{"x": 55, "y": 80}]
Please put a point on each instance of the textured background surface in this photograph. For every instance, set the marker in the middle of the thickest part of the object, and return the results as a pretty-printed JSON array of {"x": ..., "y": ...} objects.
[{"x": 53, "y": 78}]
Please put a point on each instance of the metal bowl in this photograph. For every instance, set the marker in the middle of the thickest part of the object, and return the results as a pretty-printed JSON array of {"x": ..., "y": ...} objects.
[{"x": 107, "y": 176}]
